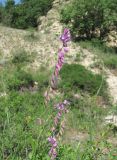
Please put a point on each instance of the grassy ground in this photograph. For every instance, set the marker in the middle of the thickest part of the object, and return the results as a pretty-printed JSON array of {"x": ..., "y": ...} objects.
[{"x": 25, "y": 121}]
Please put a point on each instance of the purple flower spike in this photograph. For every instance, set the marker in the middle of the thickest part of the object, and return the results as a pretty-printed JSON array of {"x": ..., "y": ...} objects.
[
  {"x": 52, "y": 140},
  {"x": 61, "y": 107},
  {"x": 65, "y": 37},
  {"x": 66, "y": 49},
  {"x": 53, "y": 152}
]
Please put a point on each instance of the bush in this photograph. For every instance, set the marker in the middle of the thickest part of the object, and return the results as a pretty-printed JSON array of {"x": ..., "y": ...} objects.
[
  {"x": 20, "y": 79},
  {"x": 90, "y": 19},
  {"x": 76, "y": 77},
  {"x": 16, "y": 16}
]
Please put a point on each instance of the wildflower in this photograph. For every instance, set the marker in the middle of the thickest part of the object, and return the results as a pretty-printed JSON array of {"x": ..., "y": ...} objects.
[
  {"x": 53, "y": 141},
  {"x": 61, "y": 107},
  {"x": 66, "y": 102},
  {"x": 65, "y": 37},
  {"x": 53, "y": 152}
]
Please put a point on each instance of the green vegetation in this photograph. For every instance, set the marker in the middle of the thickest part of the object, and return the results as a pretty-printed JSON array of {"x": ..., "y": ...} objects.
[
  {"x": 87, "y": 133},
  {"x": 20, "y": 79},
  {"x": 22, "y": 136},
  {"x": 111, "y": 61},
  {"x": 25, "y": 14},
  {"x": 16, "y": 77},
  {"x": 75, "y": 77},
  {"x": 89, "y": 20},
  {"x": 24, "y": 118},
  {"x": 25, "y": 121}
]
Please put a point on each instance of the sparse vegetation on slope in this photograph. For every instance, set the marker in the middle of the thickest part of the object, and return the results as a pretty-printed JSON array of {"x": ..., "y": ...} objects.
[{"x": 107, "y": 55}]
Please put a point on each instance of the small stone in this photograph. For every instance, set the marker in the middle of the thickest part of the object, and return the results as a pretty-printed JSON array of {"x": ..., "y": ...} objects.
[
  {"x": 111, "y": 119},
  {"x": 77, "y": 96}
]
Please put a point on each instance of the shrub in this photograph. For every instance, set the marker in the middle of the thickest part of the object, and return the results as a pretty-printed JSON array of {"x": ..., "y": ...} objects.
[
  {"x": 15, "y": 15},
  {"x": 90, "y": 19},
  {"x": 76, "y": 77},
  {"x": 20, "y": 79}
]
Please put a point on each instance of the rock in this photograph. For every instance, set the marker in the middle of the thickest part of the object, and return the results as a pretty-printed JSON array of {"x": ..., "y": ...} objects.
[
  {"x": 40, "y": 19},
  {"x": 111, "y": 119},
  {"x": 112, "y": 83}
]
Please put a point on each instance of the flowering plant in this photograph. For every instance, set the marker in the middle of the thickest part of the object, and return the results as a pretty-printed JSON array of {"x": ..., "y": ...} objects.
[{"x": 61, "y": 107}]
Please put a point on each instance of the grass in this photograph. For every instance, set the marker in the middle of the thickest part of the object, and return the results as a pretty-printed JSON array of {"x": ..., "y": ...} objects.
[
  {"x": 111, "y": 61},
  {"x": 106, "y": 54},
  {"x": 20, "y": 131},
  {"x": 76, "y": 77},
  {"x": 86, "y": 119},
  {"x": 86, "y": 116},
  {"x": 25, "y": 121}
]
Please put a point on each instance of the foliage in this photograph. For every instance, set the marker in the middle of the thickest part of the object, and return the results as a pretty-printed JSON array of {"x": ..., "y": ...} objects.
[
  {"x": 1, "y": 11},
  {"x": 7, "y": 12},
  {"x": 25, "y": 14},
  {"x": 25, "y": 122},
  {"x": 90, "y": 19},
  {"x": 23, "y": 116},
  {"x": 92, "y": 150},
  {"x": 20, "y": 79},
  {"x": 21, "y": 136},
  {"x": 75, "y": 77}
]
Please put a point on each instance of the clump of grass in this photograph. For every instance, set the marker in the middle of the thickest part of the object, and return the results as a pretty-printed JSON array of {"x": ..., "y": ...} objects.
[
  {"x": 21, "y": 57},
  {"x": 110, "y": 61},
  {"x": 76, "y": 77},
  {"x": 78, "y": 58}
]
